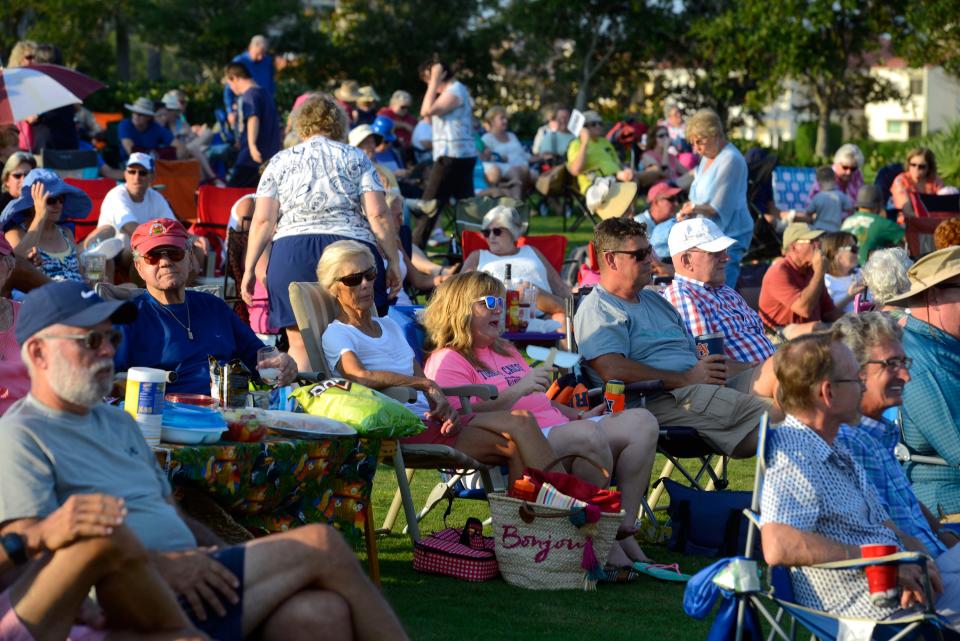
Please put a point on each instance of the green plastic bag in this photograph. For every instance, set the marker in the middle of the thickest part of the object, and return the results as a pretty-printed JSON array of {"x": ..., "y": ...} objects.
[{"x": 365, "y": 410}]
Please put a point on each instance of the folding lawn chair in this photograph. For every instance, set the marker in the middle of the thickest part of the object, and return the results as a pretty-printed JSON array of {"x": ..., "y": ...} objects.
[
  {"x": 929, "y": 210},
  {"x": 180, "y": 179},
  {"x": 792, "y": 185},
  {"x": 97, "y": 190},
  {"x": 213, "y": 213},
  {"x": 552, "y": 246},
  {"x": 314, "y": 310},
  {"x": 775, "y": 602}
]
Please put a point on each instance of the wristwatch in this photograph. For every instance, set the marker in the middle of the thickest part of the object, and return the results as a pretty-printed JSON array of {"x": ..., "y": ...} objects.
[{"x": 15, "y": 548}]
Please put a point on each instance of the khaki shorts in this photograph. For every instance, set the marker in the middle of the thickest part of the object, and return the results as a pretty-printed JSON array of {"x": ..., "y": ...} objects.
[{"x": 721, "y": 415}]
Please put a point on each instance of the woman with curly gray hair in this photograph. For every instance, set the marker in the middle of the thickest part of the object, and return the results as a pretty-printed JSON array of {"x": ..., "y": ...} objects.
[
  {"x": 311, "y": 195},
  {"x": 886, "y": 275}
]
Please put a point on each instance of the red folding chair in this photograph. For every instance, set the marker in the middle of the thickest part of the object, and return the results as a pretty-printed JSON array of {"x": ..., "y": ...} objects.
[
  {"x": 552, "y": 246},
  {"x": 96, "y": 189},
  {"x": 213, "y": 213},
  {"x": 930, "y": 210}
]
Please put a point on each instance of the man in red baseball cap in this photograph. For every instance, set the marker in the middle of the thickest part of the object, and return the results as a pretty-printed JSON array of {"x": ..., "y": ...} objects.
[
  {"x": 662, "y": 206},
  {"x": 178, "y": 330}
]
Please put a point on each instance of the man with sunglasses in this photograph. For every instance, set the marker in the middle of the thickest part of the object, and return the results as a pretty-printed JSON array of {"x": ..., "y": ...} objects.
[
  {"x": 177, "y": 330},
  {"x": 793, "y": 291},
  {"x": 591, "y": 155},
  {"x": 630, "y": 333},
  {"x": 931, "y": 402},
  {"x": 660, "y": 216},
  {"x": 62, "y": 440},
  {"x": 875, "y": 340}
]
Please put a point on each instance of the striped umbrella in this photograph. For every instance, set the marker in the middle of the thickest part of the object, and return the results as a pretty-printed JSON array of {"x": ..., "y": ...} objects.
[{"x": 26, "y": 91}]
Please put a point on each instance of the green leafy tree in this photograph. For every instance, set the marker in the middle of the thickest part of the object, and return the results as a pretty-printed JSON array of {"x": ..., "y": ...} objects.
[{"x": 929, "y": 33}]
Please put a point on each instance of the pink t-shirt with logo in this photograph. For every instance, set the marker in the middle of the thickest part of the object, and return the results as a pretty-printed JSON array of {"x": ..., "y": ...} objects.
[{"x": 449, "y": 368}]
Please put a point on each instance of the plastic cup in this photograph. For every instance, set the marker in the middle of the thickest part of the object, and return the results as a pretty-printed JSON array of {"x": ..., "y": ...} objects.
[
  {"x": 881, "y": 579},
  {"x": 709, "y": 344}
]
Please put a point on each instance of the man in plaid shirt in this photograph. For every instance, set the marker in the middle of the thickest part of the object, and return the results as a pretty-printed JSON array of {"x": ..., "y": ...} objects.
[{"x": 699, "y": 252}]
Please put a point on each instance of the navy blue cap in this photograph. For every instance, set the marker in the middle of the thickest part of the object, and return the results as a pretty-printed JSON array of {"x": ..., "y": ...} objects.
[{"x": 70, "y": 303}]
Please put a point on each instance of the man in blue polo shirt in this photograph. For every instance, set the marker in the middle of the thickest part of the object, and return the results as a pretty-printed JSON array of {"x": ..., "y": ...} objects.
[
  {"x": 260, "y": 65},
  {"x": 259, "y": 133},
  {"x": 177, "y": 330},
  {"x": 139, "y": 132}
]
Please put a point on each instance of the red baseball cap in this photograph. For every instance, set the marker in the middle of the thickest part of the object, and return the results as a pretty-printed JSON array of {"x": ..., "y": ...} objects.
[
  {"x": 159, "y": 232},
  {"x": 662, "y": 190}
]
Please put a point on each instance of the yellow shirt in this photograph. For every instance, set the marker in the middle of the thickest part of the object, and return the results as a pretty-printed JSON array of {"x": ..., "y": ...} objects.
[{"x": 602, "y": 160}]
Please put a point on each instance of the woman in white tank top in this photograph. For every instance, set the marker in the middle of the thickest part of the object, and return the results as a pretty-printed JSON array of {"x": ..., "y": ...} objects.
[{"x": 502, "y": 229}]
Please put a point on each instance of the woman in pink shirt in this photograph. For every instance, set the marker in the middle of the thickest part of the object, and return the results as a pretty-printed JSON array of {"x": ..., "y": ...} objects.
[
  {"x": 14, "y": 379},
  {"x": 464, "y": 324}
]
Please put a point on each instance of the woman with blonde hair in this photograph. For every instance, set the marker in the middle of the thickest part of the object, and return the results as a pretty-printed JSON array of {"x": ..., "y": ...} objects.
[
  {"x": 463, "y": 321},
  {"x": 373, "y": 351},
  {"x": 506, "y": 164},
  {"x": 719, "y": 189},
  {"x": 310, "y": 196}
]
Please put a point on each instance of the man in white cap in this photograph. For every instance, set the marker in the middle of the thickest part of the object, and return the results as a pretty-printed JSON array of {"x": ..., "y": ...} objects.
[
  {"x": 705, "y": 303},
  {"x": 793, "y": 290}
]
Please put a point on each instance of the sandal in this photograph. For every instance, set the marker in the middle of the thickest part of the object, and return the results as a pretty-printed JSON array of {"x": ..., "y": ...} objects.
[
  {"x": 614, "y": 574},
  {"x": 662, "y": 572}
]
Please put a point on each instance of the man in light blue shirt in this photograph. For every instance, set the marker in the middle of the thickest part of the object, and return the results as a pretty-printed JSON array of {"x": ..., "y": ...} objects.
[{"x": 659, "y": 217}]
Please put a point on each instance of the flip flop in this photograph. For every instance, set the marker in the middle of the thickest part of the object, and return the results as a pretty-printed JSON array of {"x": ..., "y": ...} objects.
[
  {"x": 614, "y": 574},
  {"x": 662, "y": 572}
]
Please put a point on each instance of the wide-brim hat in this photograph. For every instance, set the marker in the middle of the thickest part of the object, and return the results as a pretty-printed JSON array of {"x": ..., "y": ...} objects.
[
  {"x": 142, "y": 106},
  {"x": 348, "y": 91},
  {"x": 360, "y": 133},
  {"x": 931, "y": 270},
  {"x": 367, "y": 94},
  {"x": 76, "y": 203},
  {"x": 610, "y": 198}
]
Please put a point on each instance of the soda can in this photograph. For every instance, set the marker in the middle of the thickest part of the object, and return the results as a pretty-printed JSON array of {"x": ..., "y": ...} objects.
[
  {"x": 614, "y": 396},
  {"x": 709, "y": 344}
]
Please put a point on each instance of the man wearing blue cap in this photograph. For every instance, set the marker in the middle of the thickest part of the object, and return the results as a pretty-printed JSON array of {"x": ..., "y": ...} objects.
[{"x": 62, "y": 441}]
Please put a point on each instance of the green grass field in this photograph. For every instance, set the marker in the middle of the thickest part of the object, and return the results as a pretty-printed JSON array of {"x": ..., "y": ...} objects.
[{"x": 440, "y": 608}]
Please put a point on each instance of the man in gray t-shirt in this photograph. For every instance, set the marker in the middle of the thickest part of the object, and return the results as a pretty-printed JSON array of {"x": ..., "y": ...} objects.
[
  {"x": 633, "y": 335},
  {"x": 62, "y": 441}
]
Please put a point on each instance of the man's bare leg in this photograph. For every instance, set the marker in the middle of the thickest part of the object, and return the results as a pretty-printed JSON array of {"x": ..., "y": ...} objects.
[
  {"x": 132, "y": 595},
  {"x": 313, "y": 558},
  {"x": 297, "y": 618}
]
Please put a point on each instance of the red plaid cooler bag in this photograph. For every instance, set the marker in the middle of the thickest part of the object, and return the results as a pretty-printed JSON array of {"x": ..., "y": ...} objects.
[{"x": 463, "y": 554}]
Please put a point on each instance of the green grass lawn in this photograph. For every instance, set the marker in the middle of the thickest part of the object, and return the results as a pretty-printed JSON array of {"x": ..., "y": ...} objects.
[{"x": 441, "y": 609}]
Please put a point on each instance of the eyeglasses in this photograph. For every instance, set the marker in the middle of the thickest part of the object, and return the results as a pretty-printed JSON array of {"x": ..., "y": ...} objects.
[
  {"x": 53, "y": 200},
  {"x": 858, "y": 381},
  {"x": 492, "y": 302},
  {"x": 93, "y": 339},
  {"x": 17, "y": 175},
  {"x": 919, "y": 165},
  {"x": 496, "y": 231},
  {"x": 352, "y": 280},
  {"x": 639, "y": 255},
  {"x": 138, "y": 172},
  {"x": 894, "y": 363},
  {"x": 173, "y": 254}
]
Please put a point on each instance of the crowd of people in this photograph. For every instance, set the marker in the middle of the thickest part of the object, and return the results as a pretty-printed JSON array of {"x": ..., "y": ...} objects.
[{"x": 846, "y": 329}]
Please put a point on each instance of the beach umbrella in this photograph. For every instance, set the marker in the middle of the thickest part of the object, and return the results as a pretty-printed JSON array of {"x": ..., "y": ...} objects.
[{"x": 25, "y": 91}]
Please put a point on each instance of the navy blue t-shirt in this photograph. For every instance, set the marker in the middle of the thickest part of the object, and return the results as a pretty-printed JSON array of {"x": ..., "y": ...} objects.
[
  {"x": 255, "y": 101},
  {"x": 152, "y": 138},
  {"x": 155, "y": 339}
]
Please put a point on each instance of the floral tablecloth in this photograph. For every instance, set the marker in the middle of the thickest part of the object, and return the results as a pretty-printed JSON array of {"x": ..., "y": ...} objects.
[{"x": 281, "y": 483}]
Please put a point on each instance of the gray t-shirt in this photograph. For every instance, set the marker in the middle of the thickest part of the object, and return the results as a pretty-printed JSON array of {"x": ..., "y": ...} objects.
[
  {"x": 649, "y": 331},
  {"x": 829, "y": 207},
  {"x": 49, "y": 455}
]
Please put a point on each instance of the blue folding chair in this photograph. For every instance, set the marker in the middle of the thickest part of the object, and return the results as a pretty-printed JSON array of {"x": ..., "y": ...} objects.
[
  {"x": 792, "y": 185},
  {"x": 775, "y": 604}
]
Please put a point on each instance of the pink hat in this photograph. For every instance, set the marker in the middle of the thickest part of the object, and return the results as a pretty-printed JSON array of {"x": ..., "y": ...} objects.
[
  {"x": 159, "y": 232},
  {"x": 662, "y": 190}
]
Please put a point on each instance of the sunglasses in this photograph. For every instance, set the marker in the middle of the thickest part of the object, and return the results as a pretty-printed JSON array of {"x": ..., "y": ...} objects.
[
  {"x": 138, "y": 172},
  {"x": 593, "y": 124},
  {"x": 492, "y": 302},
  {"x": 854, "y": 168},
  {"x": 663, "y": 135},
  {"x": 352, "y": 280},
  {"x": 639, "y": 255},
  {"x": 53, "y": 200},
  {"x": 17, "y": 174},
  {"x": 895, "y": 363},
  {"x": 919, "y": 165},
  {"x": 853, "y": 249},
  {"x": 172, "y": 254},
  {"x": 93, "y": 339},
  {"x": 496, "y": 231}
]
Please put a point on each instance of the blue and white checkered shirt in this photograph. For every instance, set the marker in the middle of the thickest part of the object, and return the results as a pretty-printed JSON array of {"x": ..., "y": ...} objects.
[
  {"x": 871, "y": 445},
  {"x": 818, "y": 488},
  {"x": 706, "y": 309}
]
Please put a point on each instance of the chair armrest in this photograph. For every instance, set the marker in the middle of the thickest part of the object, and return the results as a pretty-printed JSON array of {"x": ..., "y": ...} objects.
[
  {"x": 466, "y": 392},
  {"x": 898, "y": 558},
  {"x": 639, "y": 388}
]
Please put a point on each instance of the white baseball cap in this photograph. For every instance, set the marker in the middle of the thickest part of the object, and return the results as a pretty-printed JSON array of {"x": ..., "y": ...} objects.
[
  {"x": 142, "y": 159},
  {"x": 697, "y": 233}
]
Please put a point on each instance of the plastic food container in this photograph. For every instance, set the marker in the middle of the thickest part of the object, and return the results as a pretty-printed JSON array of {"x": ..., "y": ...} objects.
[
  {"x": 191, "y": 424},
  {"x": 201, "y": 400}
]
